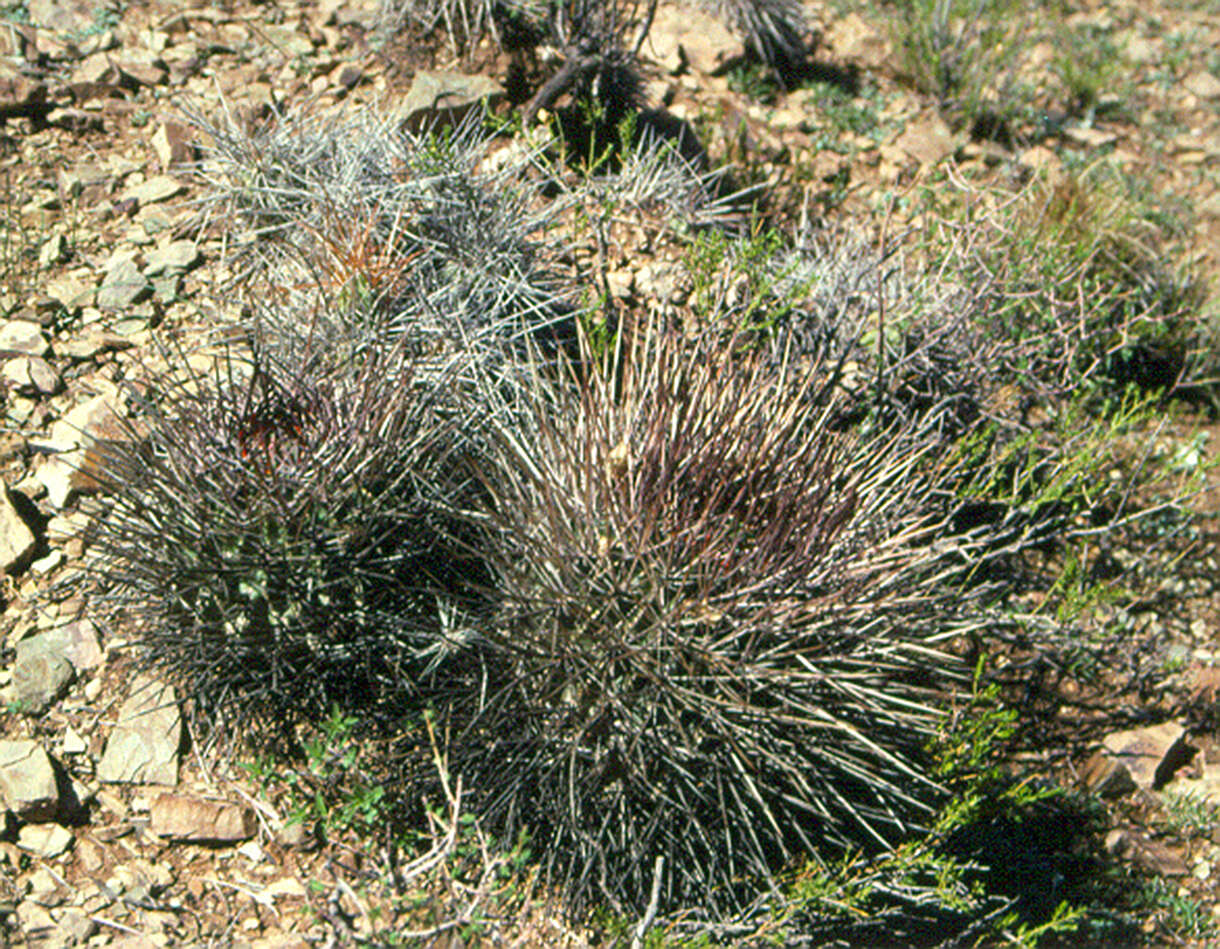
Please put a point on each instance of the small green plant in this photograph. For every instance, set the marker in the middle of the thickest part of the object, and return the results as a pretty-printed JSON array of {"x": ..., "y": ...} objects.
[
  {"x": 755, "y": 81},
  {"x": 1089, "y": 65},
  {"x": 1176, "y": 911},
  {"x": 735, "y": 282},
  {"x": 104, "y": 18},
  {"x": 1189, "y": 815},
  {"x": 16, "y": 12},
  {"x": 964, "y": 52},
  {"x": 843, "y": 111}
]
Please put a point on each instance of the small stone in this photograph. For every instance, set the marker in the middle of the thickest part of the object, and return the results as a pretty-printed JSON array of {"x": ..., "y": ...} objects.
[
  {"x": 252, "y": 851},
  {"x": 27, "y": 781},
  {"x": 76, "y": 642},
  {"x": 167, "y": 287},
  {"x": 90, "y": 344},
  {"x": 35, "y": 923},
  {"x": 23, "y": 336},
  {"x": 45, "y": 565},
  {"x": 681, "y": 37},
  {"x": 44, "y": 840},
  {"x": 855, "y": 39},
  {"x": 1202, "y": 84},
  {"x": 76, "y": 437},
  {"x": 1090, "y": 137},
  {"x": 1155, "y": 857},
  {"x": 61, "y": 16},
  {"x": 40, "y": 677},
  {"x": 182, "y": 818},
  {"x": 171, "y": 143},
  {"x": 1150, "y": 755},
  {"x": 289, "y": 887},
  {"x": 927, "y": 141},
  {"x": 32, "y": 375},
  {"x": 63, "y": 480},
  {"x": 661, "y": 282},
  {"x": 44, "y": 889},
  {"x": 54, "y": 251},
  {"x": 143, "y": 746},
  {"x": 1117, "y": 842},
  {"x": 1141, "y": 50},
  {"x": 621, "y": 283},
  {"x": 143, "y": 73},
  {"x": 346, "y": 76},
  {"x": 295, "y": 836},
  {"x": 122, "y": 287},
  {"x": 72, "y": 743},
  {"x": 17, "y": 540},
  {"x": 75, "y": 924},
  {"x": 159, "y": 188},
  {"x": 177, "y": 256},
  {"x": 278, "y": 939},
  {"x": 70, "y": 292},
  {"x": 439, "y": 97}
]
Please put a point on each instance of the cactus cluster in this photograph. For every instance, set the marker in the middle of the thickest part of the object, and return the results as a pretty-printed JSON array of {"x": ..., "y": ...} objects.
[{"x": 676, "y": 608}]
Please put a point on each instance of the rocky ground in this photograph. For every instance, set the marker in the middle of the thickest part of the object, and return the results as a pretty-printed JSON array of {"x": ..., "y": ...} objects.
[{"x": 119, "y": 831}]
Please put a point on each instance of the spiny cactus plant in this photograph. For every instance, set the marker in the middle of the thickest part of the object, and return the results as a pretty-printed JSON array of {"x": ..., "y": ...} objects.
[
  {"x": 358, "y": 222},
  {"x": 901, "y": 343},
  {"x": 774, "y": 30},
  {"x": 274, "y": 537},
  {"x": 723, "y": 630},
  {"x": 1082, "y": 296}
]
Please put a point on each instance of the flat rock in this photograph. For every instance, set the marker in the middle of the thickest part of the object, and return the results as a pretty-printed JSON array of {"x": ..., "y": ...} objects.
[
  {"x": 76, "y": 437},
  {"x": 32, "y": 375},
  {"x": 143, "y": 746},
  {"x": 17, "y": 540},
  {"x": 63, "y": 480},
  {"x": 928, "y": 141},
  {"x": 21, "y": 95},
  {"x": 438, "y": 97},
  {"x": 75, "y": 924},
  {"x": 661, "y": 281},
  {"x": 143, "y": 73},
  {"x": 23, "y": 336},
  {"x": 1149, "y": 756},
  {"x": 683, "y": 37},
  {"x": 158, "y": 188},
  {"x": 27, "y": 781},
  {"x": 44, "y": 840},
  {"x": 854, "y": 38},
  {"x": 1202, "y": 84},
  {"x": 75, "y": 642},
  {"x": 70, "y": 292},
  {"x": 62, "y": 16},
  {"x": 174, "y": 257},
  {"x": 40, "y": 678},
  {"x": 171, "y": 143},
  {"x": 91, "y": 343},
  {"x": 35, "y": 924},
  {"x": 191, "y": 819},
  {"x": 122, "y": 286}
]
